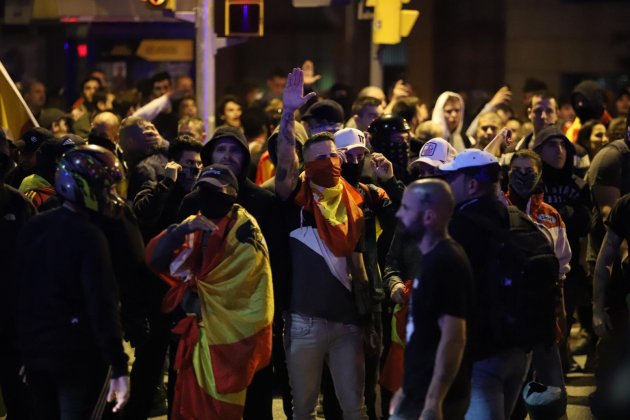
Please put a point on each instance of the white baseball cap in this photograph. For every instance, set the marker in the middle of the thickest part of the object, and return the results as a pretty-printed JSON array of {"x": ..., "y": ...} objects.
[
  {"x": 350, "y": 138},
  {"x": 469, "y": 158},
  {"x": 435, "y": 152}
]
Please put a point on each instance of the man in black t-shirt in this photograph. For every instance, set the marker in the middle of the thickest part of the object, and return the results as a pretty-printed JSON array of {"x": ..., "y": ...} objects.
[
  {"x": 436, "y": 382},
  {"x": 609, "y": 179}
]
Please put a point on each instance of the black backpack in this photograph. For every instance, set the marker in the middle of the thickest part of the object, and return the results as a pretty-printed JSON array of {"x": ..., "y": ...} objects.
[{"x": 522, "y": 283}]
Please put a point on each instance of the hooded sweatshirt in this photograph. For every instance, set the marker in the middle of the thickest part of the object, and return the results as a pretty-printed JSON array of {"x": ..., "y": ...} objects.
[
  {"x": 567, "y": 193},
  {"x": 591, "y": 109},
  {"x": 458, "y": 139},
  {"x": 260, "y": 203}
]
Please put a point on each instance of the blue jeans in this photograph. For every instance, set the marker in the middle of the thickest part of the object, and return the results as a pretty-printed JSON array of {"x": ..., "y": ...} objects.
[
  {"x": 496, "y": 384},
  {"x": 308, "y": 342},
  {"x": 547, "y": 365},
  {"x": 410, "y": 409}
]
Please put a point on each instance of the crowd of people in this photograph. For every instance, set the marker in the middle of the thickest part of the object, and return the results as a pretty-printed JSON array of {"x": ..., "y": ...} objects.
[{"x": 364, "y": 256}]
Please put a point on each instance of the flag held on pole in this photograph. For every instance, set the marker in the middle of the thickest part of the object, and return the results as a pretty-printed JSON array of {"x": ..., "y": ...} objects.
[{"x": 14, "y": 113}]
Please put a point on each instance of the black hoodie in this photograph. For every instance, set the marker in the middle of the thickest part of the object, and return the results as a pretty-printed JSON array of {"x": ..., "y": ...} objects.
[
  {"x": 567, "y": 193},
  {"x": 260, "y": 203},
  {"x": 588, "y": 100}
]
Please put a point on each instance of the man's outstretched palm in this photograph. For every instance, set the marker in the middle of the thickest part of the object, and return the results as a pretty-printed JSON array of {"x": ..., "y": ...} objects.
[{"x": 292, "y": 97}]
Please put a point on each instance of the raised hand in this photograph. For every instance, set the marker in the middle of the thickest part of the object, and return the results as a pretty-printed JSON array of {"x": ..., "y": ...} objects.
[
  {"x": 505, "y": 136},
  {"x": 293, "y": 96},
  {"x": 152, "y": 137},
  {"x": 382, "y": 167},
  {"x": 171, "y": 170},
  {"x": 501, "y": 141},
  {"x": 308, "y": 68},
  {"x": 502, "y": 96},
  {"x": 401, "y": 90}
]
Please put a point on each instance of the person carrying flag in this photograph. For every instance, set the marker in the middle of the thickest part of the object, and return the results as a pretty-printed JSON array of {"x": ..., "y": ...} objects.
[{"x": 217, "y": 264}]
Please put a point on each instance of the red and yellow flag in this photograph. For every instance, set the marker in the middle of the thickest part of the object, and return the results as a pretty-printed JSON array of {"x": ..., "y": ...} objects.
[
  {"x": 220, "y": 351},
  {"x": 265, "y": 169},
  {"x": 392, "y": 372},
  {"x": 337, "y": 212},
  {"x": 14, "y": 113}
]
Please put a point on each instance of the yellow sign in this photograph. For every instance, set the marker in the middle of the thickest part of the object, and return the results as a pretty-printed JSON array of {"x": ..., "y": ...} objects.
[{"x": 166, "y": 49}]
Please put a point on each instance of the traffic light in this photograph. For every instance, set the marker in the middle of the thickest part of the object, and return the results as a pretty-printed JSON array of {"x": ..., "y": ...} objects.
[
  {"x": 244, "y": 17},
  {"x": 391, "y": 22}
]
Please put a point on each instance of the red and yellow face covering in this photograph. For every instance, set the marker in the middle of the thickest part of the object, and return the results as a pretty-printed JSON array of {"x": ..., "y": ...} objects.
[
  {"x": 334, "y": 203},
  {"x": 324, "y": 172}
]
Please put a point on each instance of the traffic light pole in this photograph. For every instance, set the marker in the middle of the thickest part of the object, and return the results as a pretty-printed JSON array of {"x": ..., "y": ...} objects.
[
  {"x": 376, "y": 66},
  {"x": 205, "y": 63},
  {"x": 206, "y": 45}
]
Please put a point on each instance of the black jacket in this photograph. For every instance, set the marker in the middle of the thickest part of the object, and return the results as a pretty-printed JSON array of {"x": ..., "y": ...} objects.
[
  {"x": 68, "y": 304},
  {"x": 475, "y": 241},
  {"x": 15, "y": 212},
  {"x": 261, "y": 204},
  {"x": 157, "y": 205}
]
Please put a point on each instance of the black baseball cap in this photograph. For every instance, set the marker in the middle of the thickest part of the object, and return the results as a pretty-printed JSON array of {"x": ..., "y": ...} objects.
[
  {"x": 33, "y": 138},
  {"x": 325, "y": 110},
  {"x": 220, "y": 178},
  {"x": 72, "y": 139},
  {"x": 50, "y": 115}
]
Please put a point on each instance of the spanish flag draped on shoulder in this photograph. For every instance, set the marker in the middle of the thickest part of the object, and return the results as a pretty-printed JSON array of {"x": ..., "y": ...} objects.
[
  {"x": 14, "y": 113},
  {"x": 226, "y": 336}
]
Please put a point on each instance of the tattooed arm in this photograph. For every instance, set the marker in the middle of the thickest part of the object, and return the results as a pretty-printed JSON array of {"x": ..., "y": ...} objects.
[{"x": 287, "y": 169}]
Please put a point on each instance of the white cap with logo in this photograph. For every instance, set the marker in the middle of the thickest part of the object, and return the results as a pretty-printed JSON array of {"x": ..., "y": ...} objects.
[
  {"x": 350, "y": 138},
  {"x": 435, "y": 152}
]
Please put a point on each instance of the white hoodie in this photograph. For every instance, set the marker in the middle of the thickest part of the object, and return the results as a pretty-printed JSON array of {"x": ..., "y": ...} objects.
[{"x": 455, "y": 138}]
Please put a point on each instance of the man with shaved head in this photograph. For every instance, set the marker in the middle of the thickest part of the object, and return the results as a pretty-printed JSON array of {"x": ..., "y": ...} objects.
[
  {"x": 436, "y": 382},
  {"x": 107, "y": 124},
  {"x": 105, "y": 133}
]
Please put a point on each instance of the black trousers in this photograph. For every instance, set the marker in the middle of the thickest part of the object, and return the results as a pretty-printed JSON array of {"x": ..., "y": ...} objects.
[
  {"x": 68, "y": 394},
  {"x": 14, "y": 391},
  {"x": 147, "y": 372}
]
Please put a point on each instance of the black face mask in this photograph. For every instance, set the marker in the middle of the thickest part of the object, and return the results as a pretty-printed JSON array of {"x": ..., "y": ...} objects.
[
  {"x": 523, "y": 184},
  {"x": 351, "y": 172},
  {"x": 214, "y": 204}
]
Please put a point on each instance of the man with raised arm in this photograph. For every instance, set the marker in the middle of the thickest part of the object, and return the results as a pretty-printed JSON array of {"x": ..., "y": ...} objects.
[{"x": 329, "y": 288}]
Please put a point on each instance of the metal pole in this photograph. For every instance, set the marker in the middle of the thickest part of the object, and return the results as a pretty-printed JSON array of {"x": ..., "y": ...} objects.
[
  {"x": 376, "y": 67},
  {"x": 205, "y": 52}
]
